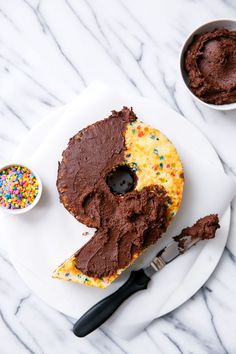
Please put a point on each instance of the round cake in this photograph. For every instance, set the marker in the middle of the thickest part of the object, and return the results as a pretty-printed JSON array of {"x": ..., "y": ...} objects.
[{"x": 125, "y": 179}]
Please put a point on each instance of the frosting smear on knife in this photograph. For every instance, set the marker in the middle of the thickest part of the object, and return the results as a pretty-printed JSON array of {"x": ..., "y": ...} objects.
[{"x": 204, "y": 229}]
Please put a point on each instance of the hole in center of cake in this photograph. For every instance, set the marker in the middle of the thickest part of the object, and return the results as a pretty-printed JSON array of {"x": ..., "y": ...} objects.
[{"x": 121, "y": 180}]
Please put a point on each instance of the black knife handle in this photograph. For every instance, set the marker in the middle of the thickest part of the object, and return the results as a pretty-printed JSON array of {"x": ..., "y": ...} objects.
[{"x": 101, "y": 311}]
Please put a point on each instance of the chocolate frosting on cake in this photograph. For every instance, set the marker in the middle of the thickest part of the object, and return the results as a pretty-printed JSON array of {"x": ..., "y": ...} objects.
[
  {"x": 126, "y": 224},
  {"x": 210, "y": 62}
]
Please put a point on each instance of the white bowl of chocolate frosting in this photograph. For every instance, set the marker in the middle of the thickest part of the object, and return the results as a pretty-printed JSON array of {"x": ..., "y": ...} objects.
[{"x": 208, "y": 64}]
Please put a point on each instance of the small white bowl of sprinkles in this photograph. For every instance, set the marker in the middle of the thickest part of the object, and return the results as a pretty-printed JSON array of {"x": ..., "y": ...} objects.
[{"x": 20, "y": 188}]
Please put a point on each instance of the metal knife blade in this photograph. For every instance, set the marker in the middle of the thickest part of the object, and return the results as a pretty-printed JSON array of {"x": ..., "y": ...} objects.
[{"x": 177, "y": 246}]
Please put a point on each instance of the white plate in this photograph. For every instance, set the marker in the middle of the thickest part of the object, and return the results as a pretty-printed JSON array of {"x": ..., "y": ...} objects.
[{"x": 196, "y": 266}]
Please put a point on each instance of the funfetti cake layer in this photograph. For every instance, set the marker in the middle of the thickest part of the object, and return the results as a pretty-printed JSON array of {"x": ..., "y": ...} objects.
[{"x": 126, "y": 223}]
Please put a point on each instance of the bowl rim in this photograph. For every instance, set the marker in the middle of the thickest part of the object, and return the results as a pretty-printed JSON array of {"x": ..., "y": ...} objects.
[
  {"x": 36, "y": 200},
  {"x": 188, "y": 39}
]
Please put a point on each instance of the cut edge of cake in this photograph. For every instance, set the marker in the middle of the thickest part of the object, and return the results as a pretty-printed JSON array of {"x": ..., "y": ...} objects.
[{"x": 68, "y": 271}]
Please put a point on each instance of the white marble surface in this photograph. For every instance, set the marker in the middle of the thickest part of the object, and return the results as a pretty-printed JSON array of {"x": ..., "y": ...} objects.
[{"x": 49, "y": 51}]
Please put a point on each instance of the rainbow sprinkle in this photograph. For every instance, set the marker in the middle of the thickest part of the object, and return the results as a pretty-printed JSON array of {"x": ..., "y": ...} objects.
[{"x": 18, "y": 187}]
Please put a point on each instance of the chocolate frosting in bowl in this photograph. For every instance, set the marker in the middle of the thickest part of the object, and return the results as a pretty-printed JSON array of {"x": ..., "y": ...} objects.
[{"x": 210, "y": 63}]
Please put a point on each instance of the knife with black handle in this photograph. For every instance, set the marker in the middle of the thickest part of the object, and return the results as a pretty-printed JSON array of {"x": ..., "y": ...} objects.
[{"x": 137, "y": 281}]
